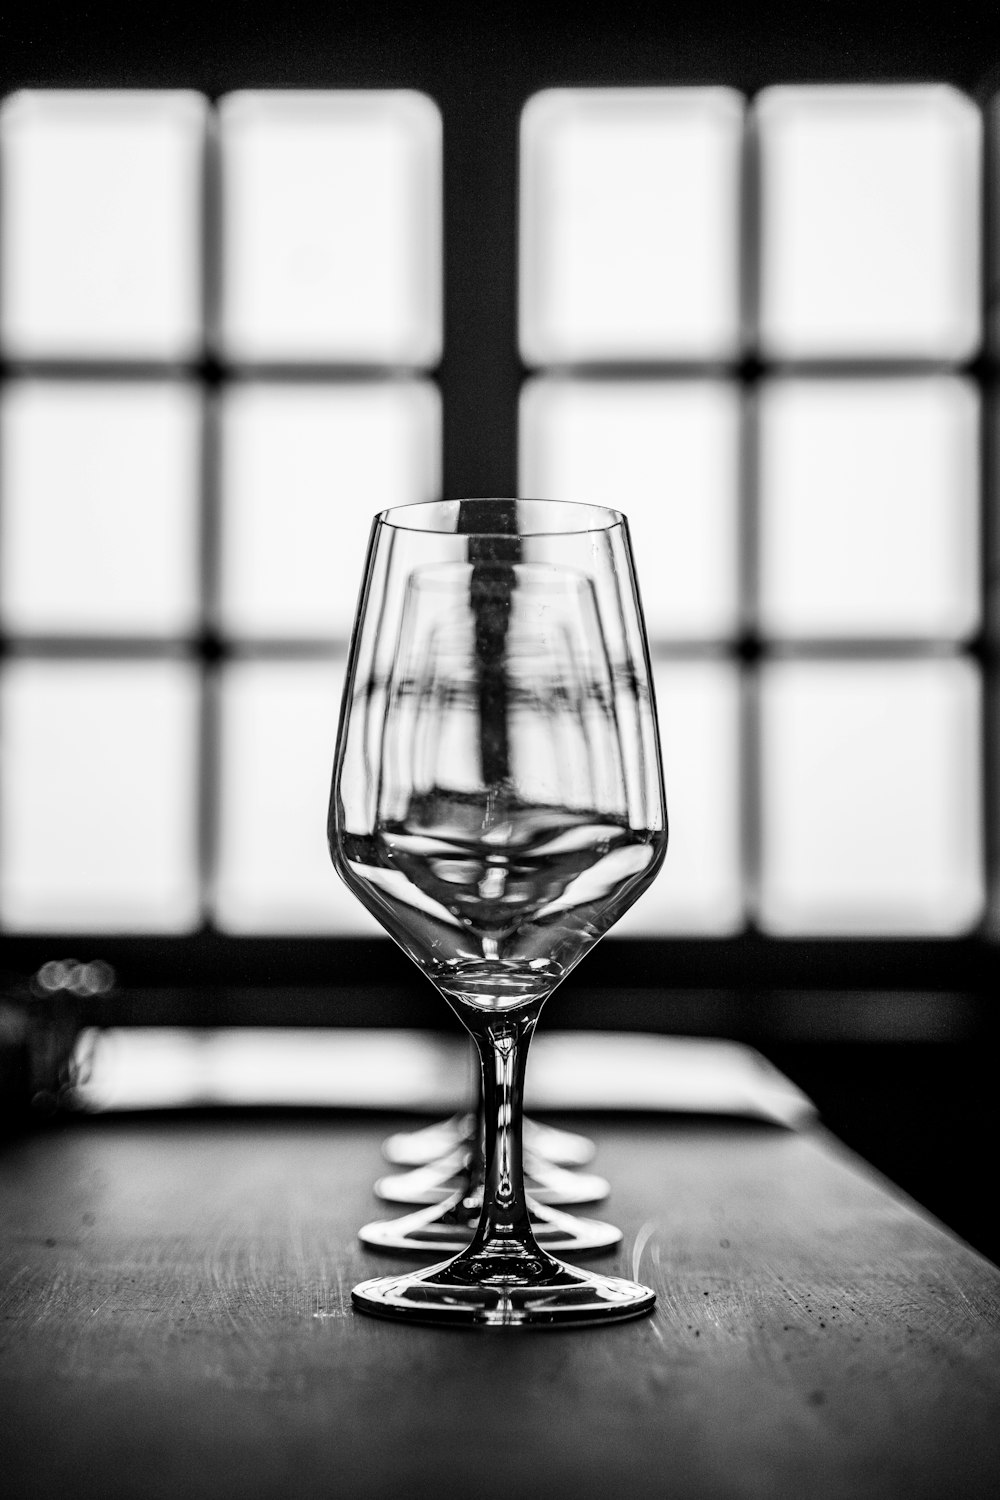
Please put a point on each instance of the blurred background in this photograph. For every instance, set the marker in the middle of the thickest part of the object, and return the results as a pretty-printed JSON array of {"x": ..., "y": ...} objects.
[{"x": 264, "y": 275}]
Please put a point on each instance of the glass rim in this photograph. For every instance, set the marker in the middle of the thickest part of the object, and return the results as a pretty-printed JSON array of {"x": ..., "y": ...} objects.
[{"x": 601, "y": 517}]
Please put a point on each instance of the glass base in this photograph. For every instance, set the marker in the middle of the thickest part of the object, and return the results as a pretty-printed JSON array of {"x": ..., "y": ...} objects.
[
  {"x": 418, "y": 1148},
  {"x": 563, "y": 1148},
  {"x": 549, "y": 1295},
  {"x": 449, "y": 1227},
  {"x": 545, "y": 1183}
]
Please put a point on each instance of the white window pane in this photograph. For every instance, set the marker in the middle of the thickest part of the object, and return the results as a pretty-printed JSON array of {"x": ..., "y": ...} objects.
[
  {"x": 869, "y": 507},
  {"x": 870, "y": 222},
  {"x": 99, "y": 796},
  {"x": 304, "y": 470},
  {"x": 630, "y": 224},
  {"x": 99, "y": 525},
  {"x": 667, "y": 454},
  {"x": 331, "y": 227},
  {"x": 700, "y": 888},
  {"x": 274, "y": 874},
  {"x": 101, "y": 237},
  {"x": 871, "y": 797}
]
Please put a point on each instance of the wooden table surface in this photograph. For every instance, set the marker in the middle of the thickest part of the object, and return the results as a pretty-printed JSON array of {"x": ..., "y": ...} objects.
[{"x": 175, "y": 1320}]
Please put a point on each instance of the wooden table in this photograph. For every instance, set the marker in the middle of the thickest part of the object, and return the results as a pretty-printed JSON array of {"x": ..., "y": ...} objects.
[{"x": 175, "y": 1320}]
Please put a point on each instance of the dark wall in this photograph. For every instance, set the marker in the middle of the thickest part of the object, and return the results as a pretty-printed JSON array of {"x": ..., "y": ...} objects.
[{"x": 216, "y": 47}]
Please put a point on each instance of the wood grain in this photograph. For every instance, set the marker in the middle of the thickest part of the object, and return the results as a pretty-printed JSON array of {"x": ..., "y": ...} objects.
[{"x": 175, "y": 1320}]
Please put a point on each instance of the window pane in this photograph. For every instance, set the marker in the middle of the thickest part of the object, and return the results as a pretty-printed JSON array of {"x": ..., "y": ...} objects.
[
  {"x": 99, "y": 519},
  {"x": 869, "y": 508},
  {"x": 101, "y": 224},
  {"x": 870, "y": 222},
  {"x": 667, "y": 454},
  {"x": 304, "y": 470},
  {"x": 700, "y": 888},
  {"x": 630, "y": 224},
  {"x": 279, "y": 727},
  {"x": 331, "y": 227},
  {"x": 871, "y": 797},
  {"x": 98, "y": 796}
]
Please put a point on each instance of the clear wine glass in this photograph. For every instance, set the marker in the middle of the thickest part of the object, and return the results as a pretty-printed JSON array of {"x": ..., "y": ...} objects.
[{"x": 497, "y": 804}]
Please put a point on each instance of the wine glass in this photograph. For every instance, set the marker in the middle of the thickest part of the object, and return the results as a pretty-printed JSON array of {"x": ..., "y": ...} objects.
[
  {"x": 497, "y": 804},
  {"x": 449, "y": 1190}
]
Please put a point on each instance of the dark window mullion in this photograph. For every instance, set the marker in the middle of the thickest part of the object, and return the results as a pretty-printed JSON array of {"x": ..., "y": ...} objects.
[{"x": 480, "y": 372}]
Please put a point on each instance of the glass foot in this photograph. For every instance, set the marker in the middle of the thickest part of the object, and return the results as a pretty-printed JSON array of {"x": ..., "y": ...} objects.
[
  {"x": 554, "y": 1185},
  {"x": 449, "y": 1227},
  {"x": 545, "y": 1293},
  {"x": 563, "y": 1148},
  {"x": 546, "y": 1183},
  {"x": 418, "y": 1148}
]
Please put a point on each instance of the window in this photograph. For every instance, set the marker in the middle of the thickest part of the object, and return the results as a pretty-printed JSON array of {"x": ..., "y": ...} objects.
[
  {"x": 802, "y": 476},
  {"x": 220, "y": 323},
  {"x": 233, "y": 328}
]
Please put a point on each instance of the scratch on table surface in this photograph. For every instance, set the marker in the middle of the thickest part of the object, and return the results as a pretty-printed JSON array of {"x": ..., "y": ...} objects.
[
  {"x": 103, "y": 1303},
  {"x": 225, "y": 1283},
  {"x": 340, "y": 1310},
  {"x": 973, "y": 1310},
  {"x": 797, "y": 1301}
]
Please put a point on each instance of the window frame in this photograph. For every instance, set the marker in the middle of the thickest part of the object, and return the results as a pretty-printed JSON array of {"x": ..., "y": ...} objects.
[{"x": 480, "y": 84}]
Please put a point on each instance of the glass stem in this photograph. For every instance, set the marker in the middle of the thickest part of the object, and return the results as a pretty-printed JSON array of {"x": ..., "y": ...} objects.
[
  {"x": 469, "y": 1181},
  {"x": 505, "y": 1225},
  {"x": 478, "y": 1113}
]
